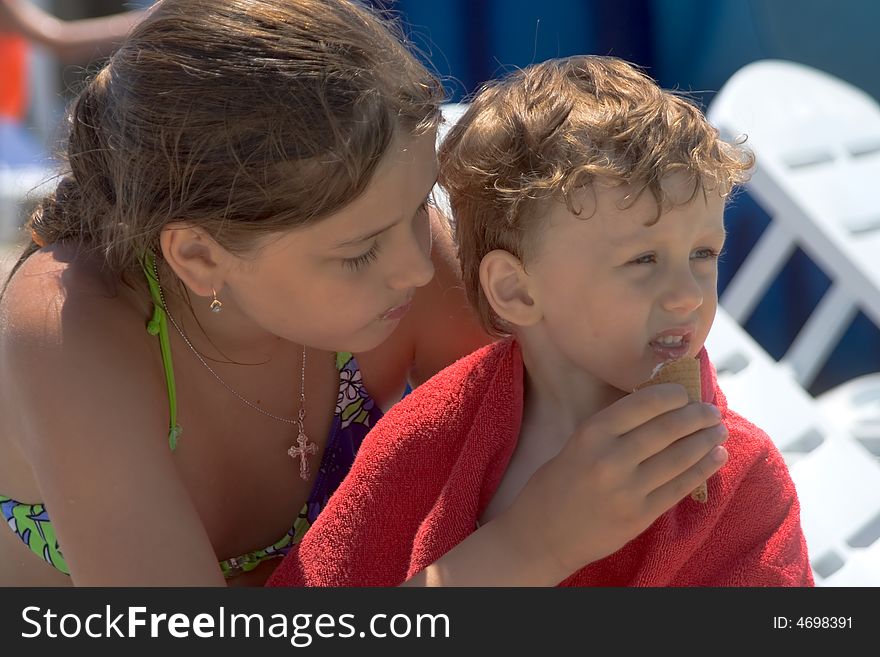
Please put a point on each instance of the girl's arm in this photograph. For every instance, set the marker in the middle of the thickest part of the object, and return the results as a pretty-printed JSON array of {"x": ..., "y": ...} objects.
[{"x": 92, "y": 423}]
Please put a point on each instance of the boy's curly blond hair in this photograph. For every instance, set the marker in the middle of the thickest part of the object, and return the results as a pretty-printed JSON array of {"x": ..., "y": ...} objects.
[{"x": 545, "y": 132}]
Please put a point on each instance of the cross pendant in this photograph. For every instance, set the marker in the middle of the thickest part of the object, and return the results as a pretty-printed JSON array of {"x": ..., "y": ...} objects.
[{"x": 302, "y": 448}]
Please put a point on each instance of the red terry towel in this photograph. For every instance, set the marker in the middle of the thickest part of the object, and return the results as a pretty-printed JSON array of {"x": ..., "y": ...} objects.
[{"x": 427, "y": 470}]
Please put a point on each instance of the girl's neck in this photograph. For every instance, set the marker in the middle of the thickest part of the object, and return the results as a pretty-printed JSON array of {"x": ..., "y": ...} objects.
[{"x": 228, "y": 334}]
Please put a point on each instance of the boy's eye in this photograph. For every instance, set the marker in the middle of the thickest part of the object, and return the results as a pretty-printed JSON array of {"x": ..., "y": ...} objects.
[
  {"x": 647, "y": 259},
  {"x": 705, "y": 254},
  {"x": 361, "y": 261}
]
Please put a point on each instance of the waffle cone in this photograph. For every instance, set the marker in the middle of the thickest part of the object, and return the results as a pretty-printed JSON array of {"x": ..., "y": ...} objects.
[{"x": 686, "y": 372}]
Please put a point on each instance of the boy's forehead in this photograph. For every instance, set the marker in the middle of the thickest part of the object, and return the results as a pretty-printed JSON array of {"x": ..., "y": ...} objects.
[
  {"x": 624, "y": 213},
  {"x": 621, "y": 205},
  {"x": 677, "y": 188}
]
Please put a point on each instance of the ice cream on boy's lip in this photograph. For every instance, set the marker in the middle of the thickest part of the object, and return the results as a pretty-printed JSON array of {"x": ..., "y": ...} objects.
[
  {"x": 685, "y": 371},
  {"x": 673, "y": 343}
]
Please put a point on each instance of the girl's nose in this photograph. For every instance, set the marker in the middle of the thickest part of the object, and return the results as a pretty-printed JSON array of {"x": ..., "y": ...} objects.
[{"x": 414, "y": 268}]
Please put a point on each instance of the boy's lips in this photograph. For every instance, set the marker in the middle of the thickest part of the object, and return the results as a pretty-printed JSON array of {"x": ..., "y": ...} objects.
[{"x": 672, "y": 344}]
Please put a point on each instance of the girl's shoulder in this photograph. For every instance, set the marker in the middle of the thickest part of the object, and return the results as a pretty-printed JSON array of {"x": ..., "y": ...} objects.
[
  {"x": 71, "y": 339},
  {"x": 59, "y": 294}
]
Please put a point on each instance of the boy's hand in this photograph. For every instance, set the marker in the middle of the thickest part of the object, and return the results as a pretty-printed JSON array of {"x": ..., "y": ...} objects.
[{"x": 619, "y": 471}]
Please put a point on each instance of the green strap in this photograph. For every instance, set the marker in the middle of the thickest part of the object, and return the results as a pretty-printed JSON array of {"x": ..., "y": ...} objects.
[{"x": 158, "y": 325}]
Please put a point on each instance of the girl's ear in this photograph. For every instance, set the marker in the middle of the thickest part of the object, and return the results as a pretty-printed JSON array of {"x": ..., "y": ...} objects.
[
  {"x": 507, "y": 286},
  {"x": 197, "y": 259}
]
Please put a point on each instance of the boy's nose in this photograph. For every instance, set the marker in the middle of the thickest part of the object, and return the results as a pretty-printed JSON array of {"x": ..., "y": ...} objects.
[{"x": 683, "y": 293}]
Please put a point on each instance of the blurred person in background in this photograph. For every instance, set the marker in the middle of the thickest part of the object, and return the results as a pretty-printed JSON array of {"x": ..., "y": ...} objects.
[{"x": 69, "y": 40}]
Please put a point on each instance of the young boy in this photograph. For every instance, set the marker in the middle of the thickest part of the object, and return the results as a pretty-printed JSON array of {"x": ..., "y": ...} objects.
[{"x": 588, "y": 209}]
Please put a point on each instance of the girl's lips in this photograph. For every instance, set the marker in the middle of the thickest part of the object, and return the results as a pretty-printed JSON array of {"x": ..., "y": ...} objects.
[{"x": 397, "y": 312}]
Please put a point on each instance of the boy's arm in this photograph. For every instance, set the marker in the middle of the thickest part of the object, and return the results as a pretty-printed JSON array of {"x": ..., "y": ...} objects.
[
  {"x": 485, "y": 558},
  {"x": 368, "y": 534},
  {"x": 488, "y": 558}
]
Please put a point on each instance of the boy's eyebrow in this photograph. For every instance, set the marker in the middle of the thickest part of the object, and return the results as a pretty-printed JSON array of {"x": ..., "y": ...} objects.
[
  {"x": 720, "y": 232},
  {"x": 637, "y": 239}
]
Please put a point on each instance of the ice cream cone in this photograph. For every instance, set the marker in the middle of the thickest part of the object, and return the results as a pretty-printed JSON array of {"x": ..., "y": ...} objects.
[{"x": 684, "y": 371}]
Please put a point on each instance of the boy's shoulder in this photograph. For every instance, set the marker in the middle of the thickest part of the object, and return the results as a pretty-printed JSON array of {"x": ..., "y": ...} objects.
[
  {"x": 445, "y": 405},
  {"x": 462, "y": 383}
]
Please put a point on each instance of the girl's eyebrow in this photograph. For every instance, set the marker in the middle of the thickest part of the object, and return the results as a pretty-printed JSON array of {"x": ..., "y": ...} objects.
[{"x": 364, "y": 238}]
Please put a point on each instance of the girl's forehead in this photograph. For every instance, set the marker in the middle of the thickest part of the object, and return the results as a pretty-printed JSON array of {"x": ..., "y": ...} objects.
[{"x": 399, "y": 185}]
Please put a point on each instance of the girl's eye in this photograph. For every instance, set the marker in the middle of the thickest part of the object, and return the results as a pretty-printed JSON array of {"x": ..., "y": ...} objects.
[
  {"x": 361, "y": 261},
  {"x": 647, "y": 259},
  {"x": 705, "y": 254}
]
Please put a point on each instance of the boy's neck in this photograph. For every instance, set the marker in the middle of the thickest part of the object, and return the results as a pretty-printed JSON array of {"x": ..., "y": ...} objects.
[
  {"x": 558, "y": 397},
  {"x": 558, "y": 394}
]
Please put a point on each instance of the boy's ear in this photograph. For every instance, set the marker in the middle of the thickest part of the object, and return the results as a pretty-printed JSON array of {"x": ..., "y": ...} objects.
[
  {"x": 197, "y": 259},
  {"x": 507, "y": 287}
]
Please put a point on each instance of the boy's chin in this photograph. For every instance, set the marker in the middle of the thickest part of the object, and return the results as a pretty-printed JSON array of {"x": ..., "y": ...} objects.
[{"x": 622, "y": 385}]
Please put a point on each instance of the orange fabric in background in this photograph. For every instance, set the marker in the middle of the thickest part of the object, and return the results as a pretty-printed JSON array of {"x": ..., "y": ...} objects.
[{"x": 13, "y": 94}]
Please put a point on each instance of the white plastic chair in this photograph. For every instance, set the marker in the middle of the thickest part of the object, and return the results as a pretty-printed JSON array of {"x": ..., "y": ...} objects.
[
  {"x": 763, "y": 392},
  {"x": 817, "y": 143},
  {"x": 856, "y": 405},
  {"x": 837, "y": 479},
  {"x": 451, "y": 113}
]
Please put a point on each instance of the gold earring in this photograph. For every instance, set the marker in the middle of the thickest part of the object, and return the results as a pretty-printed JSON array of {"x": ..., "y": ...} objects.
[{"x": 216, "y": 304}]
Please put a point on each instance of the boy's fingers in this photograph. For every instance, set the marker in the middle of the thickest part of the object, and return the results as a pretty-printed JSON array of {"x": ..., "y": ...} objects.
[
  {"x": 635, "y": 409},
  {"x": 657, "y": 434},
  {"x": 679, "y": 457},
  {"x": 668, "y": 495}
]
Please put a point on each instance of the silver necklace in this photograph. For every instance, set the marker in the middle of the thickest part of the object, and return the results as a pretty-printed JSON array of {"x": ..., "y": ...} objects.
[{"x": 303, "y": 448}]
